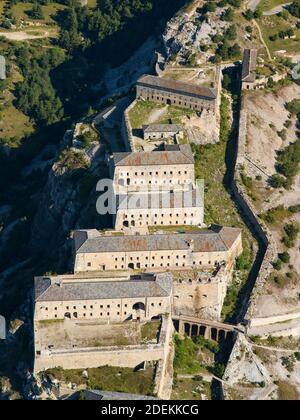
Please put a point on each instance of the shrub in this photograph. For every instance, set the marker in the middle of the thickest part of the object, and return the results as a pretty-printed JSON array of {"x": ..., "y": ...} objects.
[
  {"x": 277, "y": 181},
  {"x": 285, "y": 257},
  {"x": 277, "y": 265}
]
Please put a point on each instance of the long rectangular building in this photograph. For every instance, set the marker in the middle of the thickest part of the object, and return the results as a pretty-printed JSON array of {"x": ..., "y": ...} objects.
[
  {"x": 181, "y": 94},
  {"x": 96, "y": 252}
]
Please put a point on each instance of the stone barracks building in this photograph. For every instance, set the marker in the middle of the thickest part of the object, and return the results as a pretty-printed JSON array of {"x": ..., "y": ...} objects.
[
  {"x": 183, "y": 95},
  {"x": 114, "y": 299},
  {"x": 200, "y": 248},
  {"x": 162, "y": 131}
]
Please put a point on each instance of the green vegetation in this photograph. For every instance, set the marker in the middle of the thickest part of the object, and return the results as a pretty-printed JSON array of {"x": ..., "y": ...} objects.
[
  {"x": 291, "y": 231},
  {"x": 191, "y": 389},
  {"x": 266, "y": 5},
  {"x": 165, "y": 114},
  {"x": 272, "y": 26},
  {"x": 294, "y": 8},
  {"x": 293, "y": 106},
  {"x": 286, "y": 391},
  {"x": 278, "y": 214},
  {"x": 150, "y": 331},
  {"x": 109, "y": 378},
  {"x": 140, "y": 113},
  {"x": 288, "y": 161},
  {"x": 35, "y": 95},
  {"x": 285, "y": 257},
  {"x": 188, "y": 355},
  {"x": 219, "y": 207}
]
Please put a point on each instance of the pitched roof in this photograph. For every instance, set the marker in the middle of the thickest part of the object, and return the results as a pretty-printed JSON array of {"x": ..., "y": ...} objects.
[
  {"x": 249, "y": 65},
  {"x": 162, "y": 128},
  {"x": 181, "y": 155},
  {"x": 177, "y": 87},
  {"x": 138, "y": 287},
  {"x": 111, "y": 396},
  {"x": 160, "y": 200},
  {"x": 212, "y": 240}
]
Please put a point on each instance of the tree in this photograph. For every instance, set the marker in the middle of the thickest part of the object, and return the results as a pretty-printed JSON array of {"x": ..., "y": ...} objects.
[
  {"x": 231, "y": 33},
  {"x": 249, "y": 15},
  {"x": 294, "y": 8},
  {"x": 228, "y": 15},
  {"x": 36, "y": 12}
]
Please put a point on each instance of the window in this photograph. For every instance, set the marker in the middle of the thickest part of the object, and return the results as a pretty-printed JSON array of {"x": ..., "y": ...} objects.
[{"x": 89, "y": 264}]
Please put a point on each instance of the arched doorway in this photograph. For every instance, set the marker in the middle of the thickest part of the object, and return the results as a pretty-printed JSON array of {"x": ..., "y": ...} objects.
[
  {"x": 67, "y": 315},
  {"x": 139, "y": 311},
  {"x": 126, "y": 223},
  {"x": 131, "y": 266}
]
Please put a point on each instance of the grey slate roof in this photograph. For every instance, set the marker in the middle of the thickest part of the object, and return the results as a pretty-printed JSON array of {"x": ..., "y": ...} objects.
[
  {"x": 249, "y": 66},
  {"x": 114, "y": 396},
  {"x": 182, "y": 155},
  {"x": 177, "y": 87},
  {"x": 212, "y": 240},
  {"x": 162, "y": 128},
  {"x": 55, "y": 290},
  {"x": 155, "y": 200}
]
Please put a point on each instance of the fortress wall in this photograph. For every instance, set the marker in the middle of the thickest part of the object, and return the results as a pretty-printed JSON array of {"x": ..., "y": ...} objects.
[
  {"x": 127, "y": 356},
  {"x": 249, "y": 211},
  {"x": 126, "y": 128}
]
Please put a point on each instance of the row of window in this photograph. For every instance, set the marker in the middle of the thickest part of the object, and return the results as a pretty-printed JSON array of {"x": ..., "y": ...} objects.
[
  {"x": 126, "y": 216},
  {"x": 68, "y": 308},
  {"x": 142, "y": 173},
  {"x": 156, "y": 182},
  {"x": 138, "y": 265}
]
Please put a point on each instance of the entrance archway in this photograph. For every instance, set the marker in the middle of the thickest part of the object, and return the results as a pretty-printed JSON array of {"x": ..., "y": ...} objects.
[
  {"x": 67, "y": 315},
  {"x": 131, "y": 266},
  {"x": 139, "y": 311}
]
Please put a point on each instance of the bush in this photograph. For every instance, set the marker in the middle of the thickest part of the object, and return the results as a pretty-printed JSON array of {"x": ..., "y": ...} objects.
[
  {"x": 293, "y": 106},
  {"x": 277, "y": 265},
  {"x": 277, "y": 181},
  {"x": 242, "y": 263},
  {"x": 294, "y": 8},
  {"x": 285, "y": 257}
]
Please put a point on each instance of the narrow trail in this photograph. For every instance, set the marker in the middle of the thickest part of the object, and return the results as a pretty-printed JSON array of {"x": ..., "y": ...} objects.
[{"x": 262, "y": 39}]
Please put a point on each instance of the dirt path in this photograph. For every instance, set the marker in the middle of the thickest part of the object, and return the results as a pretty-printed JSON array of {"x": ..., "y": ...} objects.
[
  {"x": 156, "y": 115},
  {"x": 276, "y": 349},
  {"x": 23, "y": 36},
  {"x": 262, "y": 39},
  {"x": 276, "y": 9}
]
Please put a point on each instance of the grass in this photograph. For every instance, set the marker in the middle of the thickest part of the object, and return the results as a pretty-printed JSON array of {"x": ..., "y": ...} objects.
[
  {"x": 20, "y": 10},
  {"x": 173, "y": 229},
  {"x": 140, "y": 114},
  {"x": 92, "y": 3},
  {"x": 218, "y": 204},
  {"x": 149, "y": 331},
  {"x": 194, "y": 356},
  {"x": 266, "y": 5},
  {"x": 191, "y": 389},
  {"x": 271, "y": 25},
  {"x": 108, "y": 378},
  {"x": 286, "y": 391}
]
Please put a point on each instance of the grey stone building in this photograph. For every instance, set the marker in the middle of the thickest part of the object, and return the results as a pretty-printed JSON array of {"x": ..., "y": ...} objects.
[{"x": 184, "y": 95}]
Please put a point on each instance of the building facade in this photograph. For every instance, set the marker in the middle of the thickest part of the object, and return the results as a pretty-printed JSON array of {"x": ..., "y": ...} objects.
[
  {"x": 183, "y": 95},
  {"x": 181, "y": 208},
  {"x": 162, "y": 131},
  {"x": 201, "y": 248},
  {"x": 249, "y": 69},
  {"x": 108, "y": 299}
]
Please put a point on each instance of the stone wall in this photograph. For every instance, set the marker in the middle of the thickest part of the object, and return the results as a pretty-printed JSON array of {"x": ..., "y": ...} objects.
[
  {"x": 202, "y": 296},
  {"x": 93, "y": 357},
  {"x": 126, "y": 128},
  {"x": 250, "y": 212}
]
